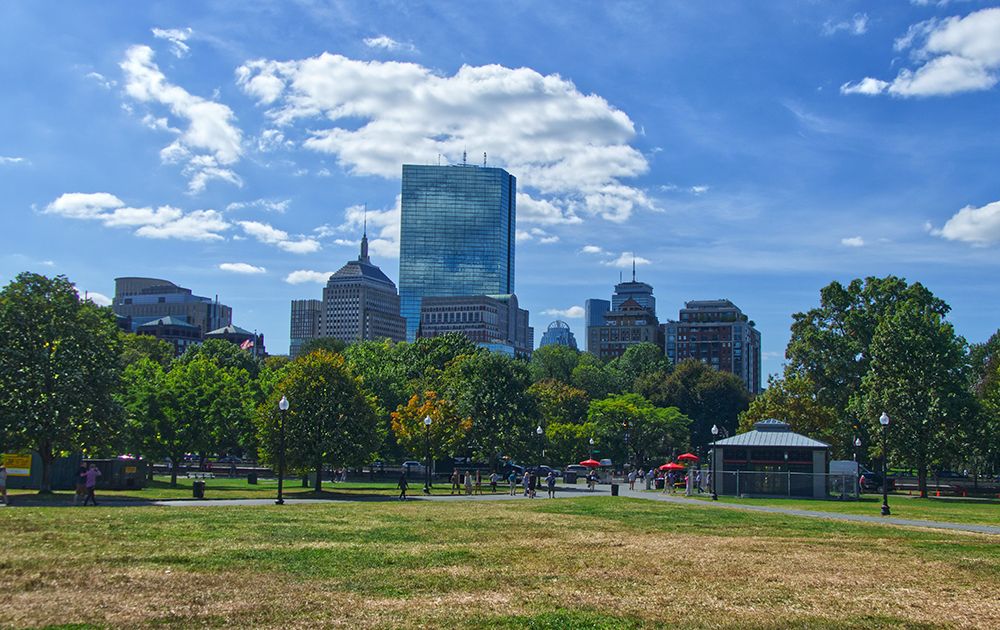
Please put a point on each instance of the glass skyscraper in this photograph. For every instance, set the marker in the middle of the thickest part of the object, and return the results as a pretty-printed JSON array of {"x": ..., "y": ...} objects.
[{"x": 456, "y": 235}]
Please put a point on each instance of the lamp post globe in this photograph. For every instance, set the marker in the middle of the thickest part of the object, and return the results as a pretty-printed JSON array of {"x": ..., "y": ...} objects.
[
  {"x": 427, "y": 445},
  {"x": 857, "y": 466},
  {"x": 884, "y": 421},
  {"x": 715, "y": 437},
  {"x": 283, "y": 409}
]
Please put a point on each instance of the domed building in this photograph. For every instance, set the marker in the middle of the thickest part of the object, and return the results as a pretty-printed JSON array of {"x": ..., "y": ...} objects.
[{"x": 558, "y": 333}]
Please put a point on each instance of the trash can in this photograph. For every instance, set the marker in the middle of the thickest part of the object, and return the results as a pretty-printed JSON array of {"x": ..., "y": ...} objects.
[
  {"x": 569, "y": 477},
  {"x": 614, "y": 489},
  {"x": 659, "y": 483},
  {"x": 252, "y": 479},
  {"x": 198, "y": 489}
]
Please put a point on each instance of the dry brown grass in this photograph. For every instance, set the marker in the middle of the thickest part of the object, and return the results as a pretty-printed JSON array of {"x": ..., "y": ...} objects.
[{"x": 525, "y": 563}]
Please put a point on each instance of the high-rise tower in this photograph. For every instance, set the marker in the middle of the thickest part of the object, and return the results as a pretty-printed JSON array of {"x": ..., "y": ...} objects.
[{"x": 456, "y": 235}]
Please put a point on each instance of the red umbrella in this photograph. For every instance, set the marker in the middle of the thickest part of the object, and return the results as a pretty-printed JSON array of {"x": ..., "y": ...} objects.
[
  {"x": 671, "y": 466},
  {"x": 590, "y": 463},
  {"x": 687, "y": 457}
]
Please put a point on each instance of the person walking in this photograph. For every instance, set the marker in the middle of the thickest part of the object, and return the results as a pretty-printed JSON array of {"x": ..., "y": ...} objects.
[
  {"x": 91, "y": 483},
  {"x": 81, "y": 484},
  {"x": 479, "y": 482},
  {"x": 525, "y": 480},
  {"x": 455, "y": 482},
  {"x": 493, "y": 482},
  {"x": 3, "y": 483},
  {"x": 403, "y": 485},
  {"x": 468, "y": 482},
  {"x": 550, "y": 483},
  {"x": 631, "y": 480},
  {"x": 697, "y": 480},
  {"x": 512, "y": 480},
  {"x": 532, "y": 485}
]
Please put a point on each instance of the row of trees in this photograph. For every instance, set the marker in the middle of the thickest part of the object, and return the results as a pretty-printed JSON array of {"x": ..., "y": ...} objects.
[
  {"x": 70, "y": 380},
  {"x": 883, "y": 345}
]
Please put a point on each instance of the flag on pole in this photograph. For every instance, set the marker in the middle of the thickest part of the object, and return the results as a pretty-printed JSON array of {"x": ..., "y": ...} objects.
[{"x": 246, "y": 345}]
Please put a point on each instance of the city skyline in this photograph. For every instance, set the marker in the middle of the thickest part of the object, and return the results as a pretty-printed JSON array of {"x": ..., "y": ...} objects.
[{"x": 748, "y": 153}]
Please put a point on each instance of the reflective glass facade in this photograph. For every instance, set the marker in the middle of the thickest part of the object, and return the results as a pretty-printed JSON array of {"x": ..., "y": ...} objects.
[{"x": 456, "y": 235}]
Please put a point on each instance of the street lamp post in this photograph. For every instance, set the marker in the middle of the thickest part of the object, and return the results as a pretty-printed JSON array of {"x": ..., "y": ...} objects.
[
  {"x": 283, "y": 407},
  {"x": 884, "y": 421},
  {"x": 427, "y": 442},
  {"x": 857, "y": 467},
  {"x": 591, "y": 448},
  {"x": 539, "y": 431},
  {"x": 715, "y": 437}
]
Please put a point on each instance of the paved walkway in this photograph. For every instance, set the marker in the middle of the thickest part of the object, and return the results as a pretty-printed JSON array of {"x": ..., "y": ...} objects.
[{"x": 577, "y": 491}]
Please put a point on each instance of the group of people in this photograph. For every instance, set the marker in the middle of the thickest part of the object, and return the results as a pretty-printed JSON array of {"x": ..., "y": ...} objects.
[
  {"x": 671, "y": 479},
  {"x": 86, "y": 483},
  {"x": 472, "y": 483},
  {"x": 530, "y": 482}
]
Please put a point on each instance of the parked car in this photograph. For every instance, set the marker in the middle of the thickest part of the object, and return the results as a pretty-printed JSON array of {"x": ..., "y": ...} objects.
[
  {"x": 543, "y": 471},
  {"x": 581, "y": 471},
  {"x": 412, "y": 468}
]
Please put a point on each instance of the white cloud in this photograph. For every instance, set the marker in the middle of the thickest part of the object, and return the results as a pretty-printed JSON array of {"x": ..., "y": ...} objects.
[
  {"x": 569, "y": 150},
  {"x": 592, "y": 249},
  {"x": 699, "y": 190},
  {"x": 323, "y": 172},
  {"x": 956, "y": 54},
  {"x": 304, "y": 275},
  {"x": 177, "y": 38},
  {"x": 101, "y": 80},
  {"x": 857, "y": 25},
  {"x": 625, "y": 260},
  {"x": 272, "y": 140},
  {"x": 538, "y": 234},
  {"x": 853, "y": 241},
  {"x": 265, "y": 233},
  {"x": 97, "y": 298},
  {"x": 160, "y": 223},
  {"x": 267, "y": 205},
  {"x": 210, "y": 143},
  {"x": 387, "y": 43},
  {"x": 383, "y": 228},
  {"x": 978, "y": 226},
  {"x": 573, "y": 312},
  {"x": 158, "y": 124},
  {"x": 241, "y": 267},
  {"x": 12, "y": 160}
]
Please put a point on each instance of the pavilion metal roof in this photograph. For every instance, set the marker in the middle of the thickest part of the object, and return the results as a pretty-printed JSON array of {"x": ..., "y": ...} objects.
[{"x": 774, "y": 433}]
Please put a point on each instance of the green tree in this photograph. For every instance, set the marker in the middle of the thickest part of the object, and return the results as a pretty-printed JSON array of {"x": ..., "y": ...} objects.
[
  {"x": 706, "y": 395},
  {"x": 330, "y": 418},
  {"x": 382, "y": 373},
  {"x": 434, "y": 353},
  {"x": 632, "y": 430},
  {"x": 793, "y": 400},
  {"x": 447, "y": 431},
  {"x": 638, "y": 361},
  {"x": 559, "y": 403},
  {"x": 135, "y": 347},
  {"x": 595, "y": 378},
  {"x": 329, "y": 344},
  {"x": 554, "y": 362},
  {"x": 59, "y": 370},
  {"x": 223, "y": 354},
  {"x": 492, "y": 390},
  {"x": 569, "y": 442},
  {"x": 916, "y": 377}
]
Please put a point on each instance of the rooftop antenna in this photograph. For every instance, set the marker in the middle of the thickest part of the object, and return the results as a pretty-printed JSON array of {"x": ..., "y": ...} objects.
[
  {"x": 463, "y": 157},
  {"x": 364, "y": 238},
  {"x": 439, "y": 159},
  {"x": 633, "y": 268},
  {"x": 484, "y": 159},
  {"x": 619, "y": 277}
]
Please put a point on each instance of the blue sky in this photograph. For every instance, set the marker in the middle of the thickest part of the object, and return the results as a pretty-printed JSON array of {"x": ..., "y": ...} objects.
[{"x": 754, "y": 151}]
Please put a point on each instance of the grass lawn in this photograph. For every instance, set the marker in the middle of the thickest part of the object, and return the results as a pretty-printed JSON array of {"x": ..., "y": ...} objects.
[
  {"x": 238, "y": 488},
  {"x": 589, "y": 562},
  {"x": 951, "y": 510}
]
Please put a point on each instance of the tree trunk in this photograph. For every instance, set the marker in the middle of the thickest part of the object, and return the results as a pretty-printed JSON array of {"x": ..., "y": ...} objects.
[
  {"x": 173, "y": 471},
  {"x": 45, "y": 454},
  {"x": 319, "y": 474},
  {"x": 922, "y": 479}
]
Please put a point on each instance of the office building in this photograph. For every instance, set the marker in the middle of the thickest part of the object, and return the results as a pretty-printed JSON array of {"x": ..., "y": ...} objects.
[
  {"x": 492, "y": 321},
  {"x": 625, "y": 326},
  {"x": 595, "y": 310},
  {"x": 174, "y": 330},
  {"x": 246, "y": 340},
  {"x": 456, "y": 235},
  {"x": 717, "y": 333},
  {"x": 558, "y": 333},
  {"x": 307, "y": 323},
  {"x": 360, "y": 303},
  {"x": 629, "y": 318},
  {"x": 144, "y": 300}
]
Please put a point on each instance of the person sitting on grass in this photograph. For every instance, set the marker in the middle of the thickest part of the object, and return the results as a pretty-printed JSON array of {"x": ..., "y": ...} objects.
[{"x": 402, "y": 486}]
